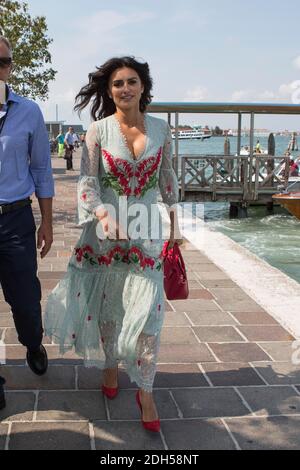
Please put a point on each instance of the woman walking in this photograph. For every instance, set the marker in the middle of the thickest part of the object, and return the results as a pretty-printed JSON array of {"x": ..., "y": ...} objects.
[{"x": 110, "y": 304}]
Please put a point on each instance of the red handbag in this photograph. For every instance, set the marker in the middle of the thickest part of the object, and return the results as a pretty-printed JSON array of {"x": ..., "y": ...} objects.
[{"x": 175, "y": 278}]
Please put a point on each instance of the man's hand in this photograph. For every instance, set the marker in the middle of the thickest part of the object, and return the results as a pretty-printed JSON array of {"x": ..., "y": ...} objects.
[{"x": 44, "y": 238}]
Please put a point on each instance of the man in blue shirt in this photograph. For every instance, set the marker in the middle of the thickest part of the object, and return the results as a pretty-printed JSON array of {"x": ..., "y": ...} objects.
[
  {"x": 25, "y": 167},
  {"x": 69, "y": 142}
]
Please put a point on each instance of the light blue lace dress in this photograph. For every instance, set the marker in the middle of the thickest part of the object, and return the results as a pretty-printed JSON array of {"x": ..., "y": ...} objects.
[{"x": 109, "y": 306}]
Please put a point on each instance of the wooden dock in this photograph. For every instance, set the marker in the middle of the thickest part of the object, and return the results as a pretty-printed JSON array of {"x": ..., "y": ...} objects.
[{"x": 241, "y": 179}]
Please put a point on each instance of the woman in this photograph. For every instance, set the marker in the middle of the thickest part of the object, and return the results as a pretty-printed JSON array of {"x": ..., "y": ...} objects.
[
  {"x": 60, "y": 139},
  {"x": 110, "y": 305}
]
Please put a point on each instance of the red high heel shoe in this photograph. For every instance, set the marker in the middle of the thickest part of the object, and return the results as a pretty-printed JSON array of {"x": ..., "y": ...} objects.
[
  {"x": 153, "y": 426},
  {"x": 110, "y": 393}
]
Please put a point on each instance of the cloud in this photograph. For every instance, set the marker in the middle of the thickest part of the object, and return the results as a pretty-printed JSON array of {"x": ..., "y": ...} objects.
[
  {"x": 198, "y": 93},
  {"x": 67, "y": 97},
  {"x": 267, "y": 95},
  {"x": 104, "y": 21},
  {"x": 242, "y": 95},
  {"x": 104, "y": 29},
  {"x": 296, "y": 62},
  {"x": 253, "y": 96},
  {"x": 91, "y": 40},
  {"x": 188, "y": 17},
  {"x": 287, "y": 89}
]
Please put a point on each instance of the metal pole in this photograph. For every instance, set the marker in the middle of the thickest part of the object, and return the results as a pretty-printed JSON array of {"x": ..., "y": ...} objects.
[
  {"x": 169, "y": 119},
  {"x": 57, "y": 113},
  {"x": 177, "y": 145},
  {"x": 251, "y": 151},
  {"x": 239, "y": 137},
  {"x": 240, "y": 169}
]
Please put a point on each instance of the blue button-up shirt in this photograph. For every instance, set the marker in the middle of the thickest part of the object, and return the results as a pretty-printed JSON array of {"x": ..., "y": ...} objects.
[{"x": 25, "y": 160}]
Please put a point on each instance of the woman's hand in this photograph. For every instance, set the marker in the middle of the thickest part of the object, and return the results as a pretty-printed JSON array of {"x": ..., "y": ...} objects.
[
  {"x": 172, "y": 242},
  {"x": 174, "y": 225},
  {"x": 110, "y": 227}
]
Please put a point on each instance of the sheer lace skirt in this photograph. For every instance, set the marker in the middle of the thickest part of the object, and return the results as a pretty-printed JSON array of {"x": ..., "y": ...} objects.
[{"x": 109, "y": 317}]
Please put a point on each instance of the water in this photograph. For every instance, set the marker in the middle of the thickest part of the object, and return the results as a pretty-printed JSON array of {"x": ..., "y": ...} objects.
[
  {"x": 215, "y": 145},
  {"x": 274, "y": 238}
]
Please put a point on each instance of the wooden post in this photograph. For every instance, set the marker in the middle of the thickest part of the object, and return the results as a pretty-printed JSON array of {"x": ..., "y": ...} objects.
[{"x": 182, "y": 178}]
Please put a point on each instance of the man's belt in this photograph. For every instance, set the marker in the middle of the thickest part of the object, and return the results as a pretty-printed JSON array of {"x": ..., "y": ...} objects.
[{"x": 5, "y": 208}]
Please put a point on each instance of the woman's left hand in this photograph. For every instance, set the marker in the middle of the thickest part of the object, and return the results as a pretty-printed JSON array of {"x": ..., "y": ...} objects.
[{"x": 172, "y": 242}]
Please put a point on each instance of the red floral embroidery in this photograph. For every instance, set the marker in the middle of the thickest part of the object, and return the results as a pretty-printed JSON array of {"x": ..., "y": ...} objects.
[
  {"x": 104, "y": 260},
  {"x": 121, "y": 172},
  {"x": 84, "y": 253},
  {"x": 84, "y": 197},
  {"x": 79, "y": 254},
  {"x": 118, "y": 255},
  {"x": 169, "y": 189},
  {"x": 89, "y": 318}
]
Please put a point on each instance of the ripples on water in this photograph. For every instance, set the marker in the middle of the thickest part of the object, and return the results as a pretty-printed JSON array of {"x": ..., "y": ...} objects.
[{"x": 274, "y": 238}]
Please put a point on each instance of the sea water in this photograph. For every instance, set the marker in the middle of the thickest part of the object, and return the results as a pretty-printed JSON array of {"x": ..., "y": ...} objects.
[{"x": 274, "y": 238}]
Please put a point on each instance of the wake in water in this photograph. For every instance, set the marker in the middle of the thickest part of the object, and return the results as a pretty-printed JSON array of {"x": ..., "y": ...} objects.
[{"x": 274, "y": 238}]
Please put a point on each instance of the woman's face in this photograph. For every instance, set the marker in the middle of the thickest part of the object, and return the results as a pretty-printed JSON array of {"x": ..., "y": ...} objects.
[{"x": 126, "y": 89}]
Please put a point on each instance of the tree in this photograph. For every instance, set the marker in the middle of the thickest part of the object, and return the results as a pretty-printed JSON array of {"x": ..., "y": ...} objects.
[
  {"x": 218, "y": 131},
  {"x": 32, "y": 72}
]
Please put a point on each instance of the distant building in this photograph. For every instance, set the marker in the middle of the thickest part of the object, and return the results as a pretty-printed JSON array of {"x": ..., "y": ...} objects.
[
  {"x": 55, "y": 127},
  {"x": 78, "y": 128}
]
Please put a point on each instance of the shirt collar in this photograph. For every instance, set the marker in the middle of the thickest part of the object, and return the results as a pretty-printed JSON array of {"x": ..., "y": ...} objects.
[{"x": 12, "y": 97}]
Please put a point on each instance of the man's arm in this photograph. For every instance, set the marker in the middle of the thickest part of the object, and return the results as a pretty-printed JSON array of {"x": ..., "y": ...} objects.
[
  {"x": 45, "y": 231},
  {"x": 41, "y": 171}
]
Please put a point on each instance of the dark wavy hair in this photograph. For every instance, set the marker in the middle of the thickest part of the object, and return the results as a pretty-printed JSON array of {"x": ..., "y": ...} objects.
[{"x": 96, "y": 90}]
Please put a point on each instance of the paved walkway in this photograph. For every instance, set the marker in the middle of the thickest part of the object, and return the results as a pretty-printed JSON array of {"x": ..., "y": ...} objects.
[{"x": 225, "y": 376}]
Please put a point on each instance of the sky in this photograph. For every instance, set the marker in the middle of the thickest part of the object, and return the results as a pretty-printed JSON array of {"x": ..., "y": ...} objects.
[{"x": 225, "y": 50}]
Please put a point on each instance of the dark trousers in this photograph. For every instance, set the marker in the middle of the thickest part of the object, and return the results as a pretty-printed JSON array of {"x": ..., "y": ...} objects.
[
  {"x": 69, "y": 157},
  {"x": 18, "y": 269}
]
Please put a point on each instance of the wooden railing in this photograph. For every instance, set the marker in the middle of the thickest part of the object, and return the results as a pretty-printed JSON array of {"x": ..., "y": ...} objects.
[{"x": 219, "y": 176}]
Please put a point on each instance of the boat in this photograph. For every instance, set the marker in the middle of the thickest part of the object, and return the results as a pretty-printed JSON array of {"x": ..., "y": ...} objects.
[
  {"x": 245, "y": 152},
  {"x": 192, "y": 134},
  {"x": 290, "y": 200}
]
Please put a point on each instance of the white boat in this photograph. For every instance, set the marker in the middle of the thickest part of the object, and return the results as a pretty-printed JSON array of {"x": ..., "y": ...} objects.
[
  {"x": 246, "y": 152},
  {"x": 189, "y": 134}
]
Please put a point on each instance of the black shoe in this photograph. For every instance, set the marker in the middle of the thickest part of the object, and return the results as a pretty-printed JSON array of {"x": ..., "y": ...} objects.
[
  {"x": 2, "y": 396},
  {"x": 38, "y": 360}
]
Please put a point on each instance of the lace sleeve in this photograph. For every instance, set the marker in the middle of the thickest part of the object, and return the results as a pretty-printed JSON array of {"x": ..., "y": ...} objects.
[
  {"x": 168, "y": 182},
  {"x": 89, "y": 194}
]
